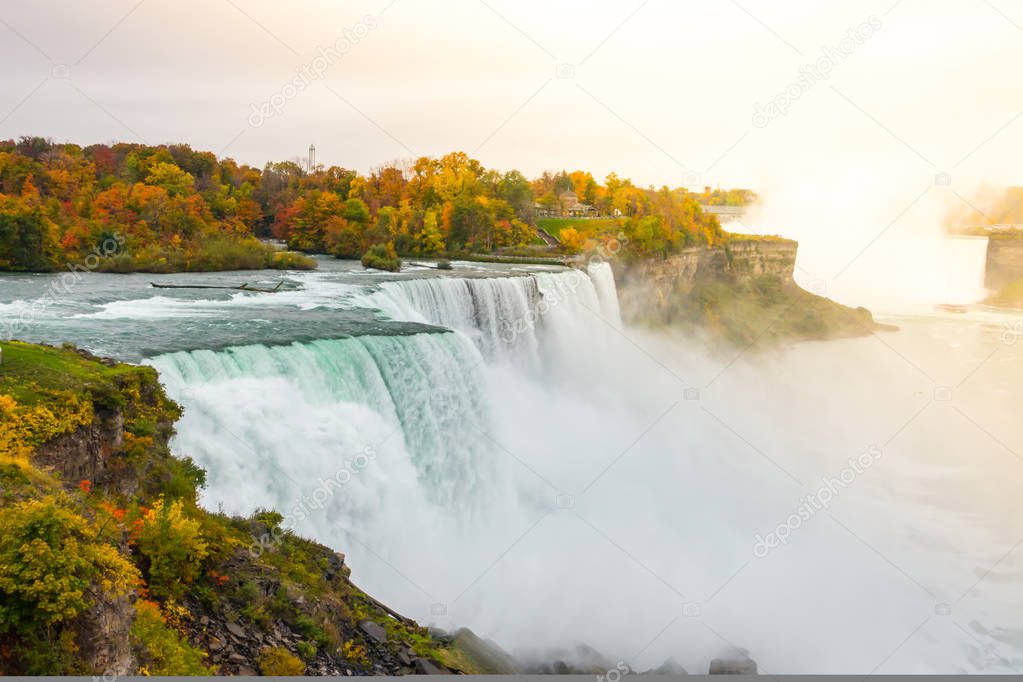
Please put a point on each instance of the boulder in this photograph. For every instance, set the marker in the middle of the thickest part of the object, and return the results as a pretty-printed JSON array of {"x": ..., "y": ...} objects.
[
  {"x": 669, "y": 667},
  {"x": 721, "y": 666},
  {"x": 375, "y": 631},
  {"x": 426, "y": 667},
  {"x": 236, "y": 630}
]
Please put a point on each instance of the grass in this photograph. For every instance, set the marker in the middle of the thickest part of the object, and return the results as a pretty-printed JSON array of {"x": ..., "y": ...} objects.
[
  {"x": 736, "y": 238},
  {"x": 769, "y": 308},
  {"x": 585, "y": 225},
  {"x": 29, "y": 372}
]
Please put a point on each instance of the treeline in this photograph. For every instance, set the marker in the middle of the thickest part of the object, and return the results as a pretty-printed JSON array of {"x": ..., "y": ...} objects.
[
  {"x": 171, "y": 208},
  {"x": 160, "y": 209}
]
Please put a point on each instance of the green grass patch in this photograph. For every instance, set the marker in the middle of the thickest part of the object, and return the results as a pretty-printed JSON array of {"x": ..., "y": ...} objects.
[
  {"x": 766, "y": 308},
  {"x": 29, "y": 373},
  {"x": 584, "y": 225}
]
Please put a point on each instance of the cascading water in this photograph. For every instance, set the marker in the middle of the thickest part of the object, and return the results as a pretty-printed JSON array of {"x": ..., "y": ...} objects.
[
  {"x": 485, "y": 309},
  {"x": 327, "y": 401},
  {"x": 550, "y": 480}
]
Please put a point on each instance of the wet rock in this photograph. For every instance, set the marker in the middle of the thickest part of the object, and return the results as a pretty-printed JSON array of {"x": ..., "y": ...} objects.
[
  {"x": 374, "y": 630},
  {"x": 669, "y": 667},
  {"x": 736, "y": 667},
  {"x": 425, "y": 667}
]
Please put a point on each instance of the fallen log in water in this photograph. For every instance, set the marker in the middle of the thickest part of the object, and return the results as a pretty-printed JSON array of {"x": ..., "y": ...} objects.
[{"x": 243, "y": 287}]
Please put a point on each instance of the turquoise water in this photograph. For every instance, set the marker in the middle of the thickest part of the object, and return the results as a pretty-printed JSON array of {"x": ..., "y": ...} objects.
[{"x": 491, "y": 447}]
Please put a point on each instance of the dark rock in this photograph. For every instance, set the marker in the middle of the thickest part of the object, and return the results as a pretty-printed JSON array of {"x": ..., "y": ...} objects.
[
  {"x": 246, "y": 671},
  {"x": 669, "y": 667},
  {"x": 725, "y": 667},
  {"x": 237, "y": 658},
  {"x": 485, "y": 655},
  {"x": 204, "y": 621},
  {"x": 236, "y": 630},
  {"x": 425, "y": 667},
  {"x": 103, "y": 636},
  {"x": 374, "y": 630},
  {"x": 404, "y": 657}
]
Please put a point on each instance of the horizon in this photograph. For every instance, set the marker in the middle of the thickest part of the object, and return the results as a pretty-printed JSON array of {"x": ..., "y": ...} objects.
[{"x": 371, "y": 86}]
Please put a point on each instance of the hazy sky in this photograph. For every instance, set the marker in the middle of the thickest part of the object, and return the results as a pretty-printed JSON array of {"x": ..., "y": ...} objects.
[{"x": 663, "y": 91}]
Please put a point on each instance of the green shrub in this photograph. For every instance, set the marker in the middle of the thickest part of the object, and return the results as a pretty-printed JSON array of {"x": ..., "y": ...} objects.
[
  {"x": 382, "y": 257},
  {"x": 291, "y": 260},
  {"x": 306, "y": 650},
  {"x": 279, "y": 662}
]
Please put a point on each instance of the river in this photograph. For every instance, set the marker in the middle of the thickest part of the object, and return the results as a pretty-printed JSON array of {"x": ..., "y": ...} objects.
[{"x": 492, "y": 448}]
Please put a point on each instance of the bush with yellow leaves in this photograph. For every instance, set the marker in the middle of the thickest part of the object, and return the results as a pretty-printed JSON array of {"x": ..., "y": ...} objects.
[
  {"x": 23, "y": 428},
  {"x": 279, "y": 662},
  {"x": 174, "y": 547},
  {"x": 51, "y": 564},
  {"x": 162, "y": 650}
]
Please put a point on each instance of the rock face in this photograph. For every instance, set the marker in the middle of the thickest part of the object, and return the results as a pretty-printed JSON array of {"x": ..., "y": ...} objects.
[
  {"x": 85, "y": 453},
  {"x": 742, "y": 292},
  {"x": 647, "y": 288},
  {"x": 103, "y": 636},
  {"x": 726, "y": 667},
  {"x": 1004, "y": 262}
]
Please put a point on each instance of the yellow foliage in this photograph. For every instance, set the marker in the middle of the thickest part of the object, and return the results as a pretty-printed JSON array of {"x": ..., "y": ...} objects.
[
  {"x": 572, "y": 239},
  {"x": 175, "y": 547},
  {"x": 163, "y": 651},
  {"x": 50, "y": 563},
  {"x": 279, "y": 662},
  {"x": 23, "y": 428},
  {"x": 355, "y": 652}
]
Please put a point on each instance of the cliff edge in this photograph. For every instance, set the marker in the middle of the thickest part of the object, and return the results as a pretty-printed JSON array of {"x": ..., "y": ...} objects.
[
  {"x": 109, "y": 567},
  {"x": 742, "y": 291},
  {"x": 1004, "y": 271}
]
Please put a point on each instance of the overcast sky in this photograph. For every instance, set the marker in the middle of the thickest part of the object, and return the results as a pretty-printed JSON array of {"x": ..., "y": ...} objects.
[{"x": 664, "y": 91}]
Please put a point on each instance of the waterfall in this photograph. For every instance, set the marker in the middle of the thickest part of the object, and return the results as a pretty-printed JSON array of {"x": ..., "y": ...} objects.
[
  {"x": 510, "y": 470},
  {"x": 604, "y": 284},
  {"x": 506, "y": 316},
  {"x": 484, "y": 309},
  {"x": 307, "y": 408}
]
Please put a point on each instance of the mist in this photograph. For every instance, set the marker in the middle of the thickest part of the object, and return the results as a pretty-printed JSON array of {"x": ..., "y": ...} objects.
[{"x": 623, "y": 492}]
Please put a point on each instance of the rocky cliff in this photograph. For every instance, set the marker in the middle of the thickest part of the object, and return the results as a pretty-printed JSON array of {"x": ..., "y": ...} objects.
[
  {"x": 109, "y": 567},
  {"x": 1004, "y": 273},
  {"x": 1004, "y": 261},
  {"x": 742, "y": 291}
]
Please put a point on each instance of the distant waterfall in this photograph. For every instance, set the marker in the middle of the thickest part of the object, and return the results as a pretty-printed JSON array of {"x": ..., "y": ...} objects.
[
  {"x": 506, "y": 317},
  {"x": 484, "y": 309},
  {"x": 604, "y": 283}
]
